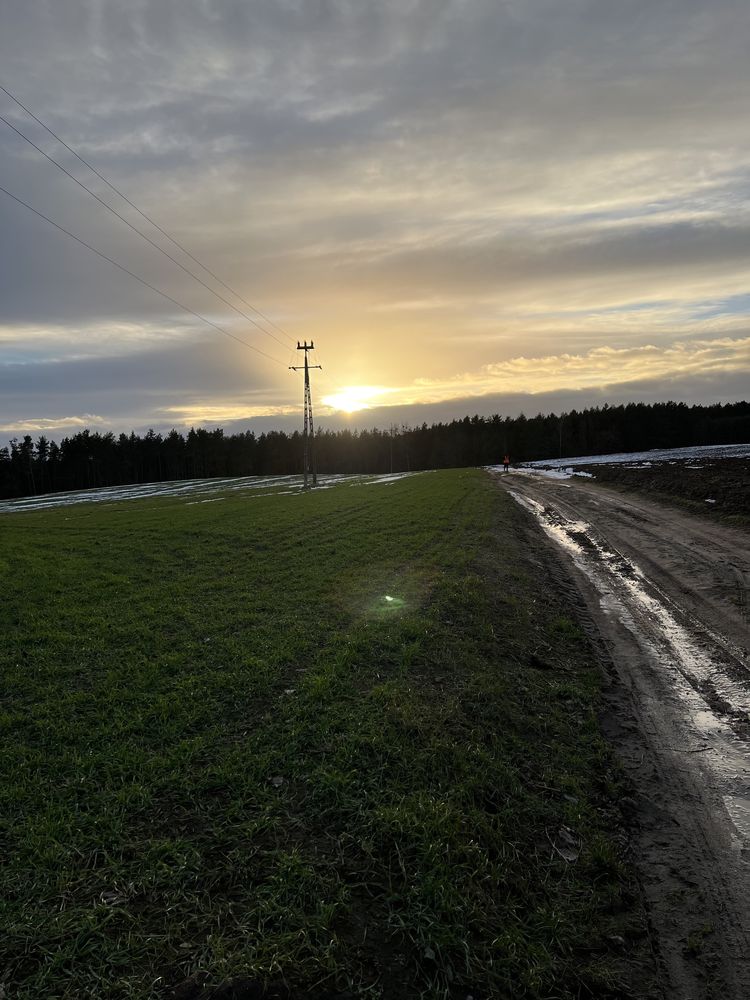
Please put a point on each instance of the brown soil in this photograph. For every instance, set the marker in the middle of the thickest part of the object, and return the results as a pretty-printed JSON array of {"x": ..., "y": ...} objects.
[
  {"x": 691, "y": 483},
  {"x": 664, "y": 594}
]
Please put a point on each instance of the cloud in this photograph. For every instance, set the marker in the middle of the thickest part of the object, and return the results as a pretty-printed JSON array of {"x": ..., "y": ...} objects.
[
  {"x": 598, "y": 369},
  {"x": 51, "y": 425},
  {"x": 430, "y": 189},
  {"x": 225, "y": 413},
  {"x": 168, "y": 385}
]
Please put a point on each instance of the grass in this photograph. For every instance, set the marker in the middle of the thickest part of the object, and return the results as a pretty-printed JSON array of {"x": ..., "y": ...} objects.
[{"x": 331, "y": 741}]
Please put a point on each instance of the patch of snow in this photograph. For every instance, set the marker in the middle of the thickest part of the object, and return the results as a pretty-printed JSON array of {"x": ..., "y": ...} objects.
[
  {"x": 646, "y": 458},
  {"x": 391, "y": 478},
  {"x": 557, "y": 473},
  {"x": 201, "y": 490},
  {"x": 563, "y": 473}
]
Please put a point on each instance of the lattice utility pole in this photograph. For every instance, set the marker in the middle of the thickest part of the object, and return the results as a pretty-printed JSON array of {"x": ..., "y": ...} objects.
[{"x": 308, "y": 433}]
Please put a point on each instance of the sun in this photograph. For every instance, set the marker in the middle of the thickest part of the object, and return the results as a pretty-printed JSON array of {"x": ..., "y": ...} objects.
[{"x": 355, "y": 397}]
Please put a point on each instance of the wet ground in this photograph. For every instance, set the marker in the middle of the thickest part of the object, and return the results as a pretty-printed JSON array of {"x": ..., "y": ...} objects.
[
  {"x": 719, "y": 487},
  {"x": 665, "y": 595},
  {"x": 712, "y": 479}
]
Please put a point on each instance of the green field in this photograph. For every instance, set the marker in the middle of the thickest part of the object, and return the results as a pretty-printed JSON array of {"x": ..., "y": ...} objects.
[{"x": 325, "y": 741}]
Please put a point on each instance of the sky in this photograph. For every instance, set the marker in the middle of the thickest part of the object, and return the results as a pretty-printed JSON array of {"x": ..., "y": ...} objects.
[{"x": 470, "y": 206}]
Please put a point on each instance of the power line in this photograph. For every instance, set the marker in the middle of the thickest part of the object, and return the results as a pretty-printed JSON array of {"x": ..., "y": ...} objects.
[
  {"x": 140, "y": 232},
  {"x": 148, "y": 219},
  {"x": 137, "y": 277}
]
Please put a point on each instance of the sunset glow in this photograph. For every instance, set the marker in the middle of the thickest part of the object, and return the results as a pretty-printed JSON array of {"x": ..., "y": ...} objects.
[
  {"x": 459, "y": 217},
  {"x": 356, "y": 397}
]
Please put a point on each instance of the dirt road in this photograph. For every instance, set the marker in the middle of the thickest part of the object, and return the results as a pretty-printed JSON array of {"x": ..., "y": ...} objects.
[{"x": 666, "y": 595}]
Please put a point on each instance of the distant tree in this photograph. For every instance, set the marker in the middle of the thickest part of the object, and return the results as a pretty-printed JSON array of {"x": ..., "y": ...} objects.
[
  {"x": 42, "y": 457},
  {"x": 89, "y": 458}
]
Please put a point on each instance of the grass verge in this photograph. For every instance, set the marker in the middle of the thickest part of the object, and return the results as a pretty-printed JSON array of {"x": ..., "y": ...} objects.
[{"x": 334, "y": 744}]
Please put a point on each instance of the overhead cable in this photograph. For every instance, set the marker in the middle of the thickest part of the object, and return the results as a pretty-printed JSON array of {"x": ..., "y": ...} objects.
[
  {"x": 145, "y": 216},
  {"x": 140, "y": 233},
  {"x": 137, "y": 277}
]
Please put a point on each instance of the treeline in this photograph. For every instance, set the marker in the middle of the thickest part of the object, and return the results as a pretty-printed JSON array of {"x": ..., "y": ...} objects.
[{"x": 90, "y": 459}]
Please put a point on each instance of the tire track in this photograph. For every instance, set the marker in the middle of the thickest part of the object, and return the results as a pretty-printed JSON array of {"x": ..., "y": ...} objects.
[{"x": 667, "y": 595}]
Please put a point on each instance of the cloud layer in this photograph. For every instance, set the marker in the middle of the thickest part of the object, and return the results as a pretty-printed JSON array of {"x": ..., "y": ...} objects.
[{"x": 457, "y": 199}]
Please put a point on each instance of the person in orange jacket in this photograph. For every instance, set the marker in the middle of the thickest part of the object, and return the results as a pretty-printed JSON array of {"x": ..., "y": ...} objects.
[{"x": 506, "y": 462}]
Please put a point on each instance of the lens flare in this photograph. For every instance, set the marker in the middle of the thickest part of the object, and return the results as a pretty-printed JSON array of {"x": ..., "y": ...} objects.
[{"x": 389, "y": 603}]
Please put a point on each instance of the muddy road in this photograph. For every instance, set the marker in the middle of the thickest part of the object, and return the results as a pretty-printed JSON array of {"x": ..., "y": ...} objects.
[{"x": 665, "y": 595}]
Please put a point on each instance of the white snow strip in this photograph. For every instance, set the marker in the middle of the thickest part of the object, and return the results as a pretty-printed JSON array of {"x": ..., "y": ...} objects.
[
  {"x": 391, "y": 478},
  {"x": 253, "y": 486},
  {"x": 646, "y": 458}
]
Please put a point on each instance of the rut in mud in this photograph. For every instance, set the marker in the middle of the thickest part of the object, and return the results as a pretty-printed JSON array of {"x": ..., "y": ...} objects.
[{"x": 666, "y": 595}]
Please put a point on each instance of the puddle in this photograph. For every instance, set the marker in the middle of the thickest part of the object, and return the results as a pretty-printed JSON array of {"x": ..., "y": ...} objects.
[{"x": 627, "y": 594}]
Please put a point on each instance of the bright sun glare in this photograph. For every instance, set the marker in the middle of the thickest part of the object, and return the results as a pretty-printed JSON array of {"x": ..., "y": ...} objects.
[{"x": 354, "y": 397}]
